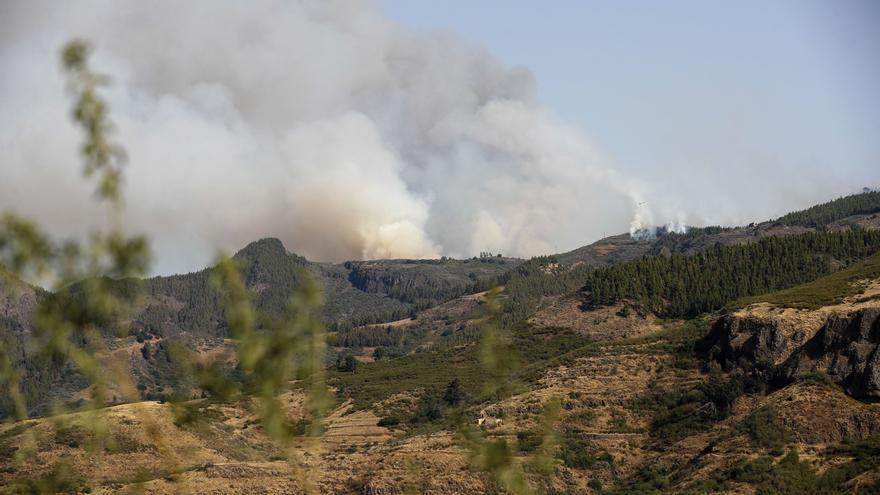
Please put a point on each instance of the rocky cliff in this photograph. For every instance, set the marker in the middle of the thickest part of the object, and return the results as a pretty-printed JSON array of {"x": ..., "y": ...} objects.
[{"x": 840, "y": 340}]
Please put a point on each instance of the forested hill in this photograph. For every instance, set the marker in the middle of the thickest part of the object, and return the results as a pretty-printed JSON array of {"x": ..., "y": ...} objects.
[
  {"x": 188, "y": 309},
  {"x": 856, "y": 210},
  {"x": 532, "y": 282},
  {"x": 685, "y": 286},
  {"x": 355, "y": 292},
  {"x": 866, "y": 203},
  {"x": 671, "y": 275}
]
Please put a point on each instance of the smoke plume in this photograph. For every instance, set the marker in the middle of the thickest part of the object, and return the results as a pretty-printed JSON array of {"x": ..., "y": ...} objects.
[{"x": 318, "y": 122}]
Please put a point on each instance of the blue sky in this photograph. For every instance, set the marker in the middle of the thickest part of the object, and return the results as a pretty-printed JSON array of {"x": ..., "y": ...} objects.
[{"x": 695, "y": 88}]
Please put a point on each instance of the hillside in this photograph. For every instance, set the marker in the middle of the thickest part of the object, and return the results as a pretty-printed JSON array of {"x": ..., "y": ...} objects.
[
  {"x": 644, "y": 414},
  {"x": 18, "y": 302},
  {"x": 355, "y": 292},
  {"x": 187, "y": 309},
  {"x": 681, "y": 285},
  {"x": 676, "y": 355},
  {"x": 829, "y": 326},
  {"x": 360, "y": 296},
  {"x": 759, "y": 376},
  {"x": 855, "y": 207}
]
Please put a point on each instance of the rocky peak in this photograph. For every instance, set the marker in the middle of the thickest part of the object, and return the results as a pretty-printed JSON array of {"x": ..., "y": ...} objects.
[{"x": 268, "y": 247}]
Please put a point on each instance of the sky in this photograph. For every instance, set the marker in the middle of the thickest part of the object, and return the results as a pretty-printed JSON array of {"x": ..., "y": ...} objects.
[
  {"x": 357, "y": 130},
  {"x": 690, "y": 92}
]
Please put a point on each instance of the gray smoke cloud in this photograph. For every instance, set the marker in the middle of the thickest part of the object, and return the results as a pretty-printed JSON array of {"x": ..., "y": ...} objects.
[{"x": 318, "y": 122}]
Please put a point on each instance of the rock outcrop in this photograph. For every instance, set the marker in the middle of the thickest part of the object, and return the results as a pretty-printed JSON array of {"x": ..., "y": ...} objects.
[{"x": 839, "y": 341}]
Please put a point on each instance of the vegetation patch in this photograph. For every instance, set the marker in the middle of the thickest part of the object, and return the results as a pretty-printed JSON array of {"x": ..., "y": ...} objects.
[
  {"x": 825, "y": 291},
  {"x": 374, "y": 382},
  {"x": 823, "y": 214},
  {"x": 648, "y": 479},
  {"x": 433, "y": 371},
  {"x": 765, "y": 429},
  {"x": 688, "y": 285},
  {"x": 792, "y": 476},
  {"x": 577, "y": 453},
  {"x": 678, "y": 338},
  {"x": 683, "y": 413},
  {"x": 388, "y": 421}
]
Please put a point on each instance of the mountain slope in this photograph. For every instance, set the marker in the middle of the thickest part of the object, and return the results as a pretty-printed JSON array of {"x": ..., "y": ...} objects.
[
  {"x": 760, "y": 399},
  {"x": 40, "y": 379},
  {"x": 355, "y": 292},
  {"x": 187, "y": 309},
  {"x": 638, "y": 416},
  {"x": 543, "y": 279}
]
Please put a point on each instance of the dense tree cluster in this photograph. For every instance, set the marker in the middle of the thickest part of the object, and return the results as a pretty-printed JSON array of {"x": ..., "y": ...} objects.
[
  {"x": 529, "y": 283},
  {"x": 676, "y": 240},
  {"x": 680, "y": 285},
  {"x": 826, "y": 213},
  {"x": 346, "y": 364},
  {"x": 464, "y": 335},
  {"x": 423, "y": 282},
  {"x": 384, "y": 336}
]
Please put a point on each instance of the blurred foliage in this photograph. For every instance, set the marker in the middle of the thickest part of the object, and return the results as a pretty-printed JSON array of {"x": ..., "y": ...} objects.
[
  {"x": 67, "y": 322},
  {"x": 101, "y": 156},
  {"x": 87, "y": 300},
  {"x": 499, "y": 363},
  {"x": 496, "y": 351}
]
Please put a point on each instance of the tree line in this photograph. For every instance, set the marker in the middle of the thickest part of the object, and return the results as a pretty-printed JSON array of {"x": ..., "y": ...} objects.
[
  {"x": 685, "y": 286},
  {"x": 823, "y": 214},
  {"x": 384, "y": 336}
]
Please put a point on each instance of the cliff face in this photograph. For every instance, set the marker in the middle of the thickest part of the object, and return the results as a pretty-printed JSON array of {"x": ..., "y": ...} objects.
[
  {"x": 846, "y": 349},
  {"x": 841, "y": 341}
]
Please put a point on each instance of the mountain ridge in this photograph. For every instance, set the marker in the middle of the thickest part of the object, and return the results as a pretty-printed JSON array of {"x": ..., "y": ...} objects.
[{"x": 645, "y": 405}]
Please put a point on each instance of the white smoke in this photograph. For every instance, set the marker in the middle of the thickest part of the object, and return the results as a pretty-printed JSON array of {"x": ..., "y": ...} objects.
[
  {"x": 319, "y": 122},
  {"x": 643, "y": 227}
]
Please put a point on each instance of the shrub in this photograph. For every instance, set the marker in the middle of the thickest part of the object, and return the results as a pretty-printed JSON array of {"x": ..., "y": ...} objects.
[
  {"x": 577, "y": 453},
  {"x": 527, "y": 441},
  {"x": 765, "y": 429},
  {"x": 789, "y": 476},
  {"x": 680, "y": 414},
  {"x": 454, "y": 394},
  {"x": 817, "y": 378},
  {"x": 347, "y": 364},
  {"x": 389, "y": 421},
  {"x": 428, "y": 410}
]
